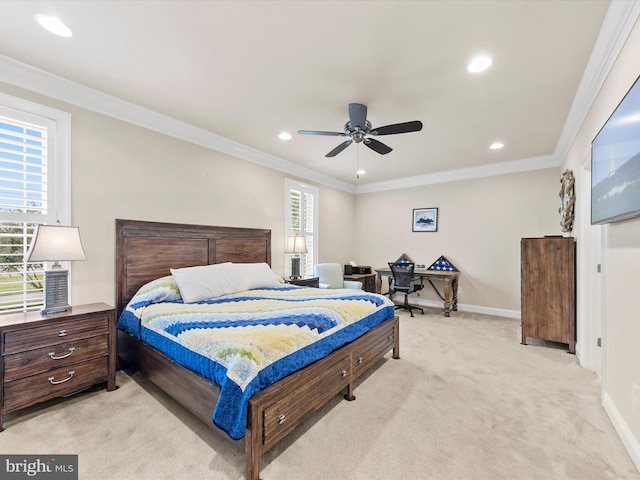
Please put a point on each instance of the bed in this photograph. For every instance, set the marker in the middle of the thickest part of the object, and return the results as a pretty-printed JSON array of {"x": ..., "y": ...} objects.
[{"x": 146, "y": 251}]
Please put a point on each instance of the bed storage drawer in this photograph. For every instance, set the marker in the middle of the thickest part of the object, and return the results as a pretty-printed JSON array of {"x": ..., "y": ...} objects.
[
  {"x": 368, "y": 350},
  {"x": 282, "y": 416}
]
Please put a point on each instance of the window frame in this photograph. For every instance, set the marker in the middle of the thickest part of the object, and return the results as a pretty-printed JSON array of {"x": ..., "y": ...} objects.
[
  {"x": 308, "y": 260},
  {"x": 58, "y": 170}
]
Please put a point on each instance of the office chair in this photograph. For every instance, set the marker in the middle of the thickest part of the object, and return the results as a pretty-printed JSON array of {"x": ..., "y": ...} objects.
[
  {"x": 404, "y": 281},
  {"x": 330, "y": 275}
]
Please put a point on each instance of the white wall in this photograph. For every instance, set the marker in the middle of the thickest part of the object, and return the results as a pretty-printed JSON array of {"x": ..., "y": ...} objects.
[
  {"x": 621, "y": 262},
  {"x": 480, "y": 224}
]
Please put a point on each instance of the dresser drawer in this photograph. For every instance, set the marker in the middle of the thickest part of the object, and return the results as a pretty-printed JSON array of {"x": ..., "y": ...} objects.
[
  {"x": 47, "y": 358},
  {"x": 44, "y": 386},
  {"x": 369, "y": 351},
  {"x": 31, "y": 338},
  {"x": 282, "y": 416}
]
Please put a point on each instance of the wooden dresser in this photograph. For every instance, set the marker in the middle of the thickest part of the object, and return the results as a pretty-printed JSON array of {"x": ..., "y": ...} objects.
[
  {"x": 548, "y": 288},
  {"x": 47, "y": 356}
]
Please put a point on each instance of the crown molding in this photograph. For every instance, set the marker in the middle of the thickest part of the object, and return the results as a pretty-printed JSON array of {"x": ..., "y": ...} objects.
[
  {"x": 494, "y": 169},
  {"x": 616, "y": 27}
]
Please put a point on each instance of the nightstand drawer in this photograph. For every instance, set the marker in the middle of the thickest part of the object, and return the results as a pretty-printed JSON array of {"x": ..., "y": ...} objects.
[
  {"x": 44, "y": 386},
  {"x": 43, "y": 359},
  {"x": 32, "y": 338}
]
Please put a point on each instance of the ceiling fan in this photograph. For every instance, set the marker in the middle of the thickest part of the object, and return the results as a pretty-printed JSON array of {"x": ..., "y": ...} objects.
[{"x": 360, "y": 131}]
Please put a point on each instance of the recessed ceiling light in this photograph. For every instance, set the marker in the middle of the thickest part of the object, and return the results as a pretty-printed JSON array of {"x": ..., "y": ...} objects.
[
  {"x": 479, "y": 64},
  {"x": 53, "y": 25},
  {"x": 284, "y": 136},
  {"x": 496, "y": 146}
]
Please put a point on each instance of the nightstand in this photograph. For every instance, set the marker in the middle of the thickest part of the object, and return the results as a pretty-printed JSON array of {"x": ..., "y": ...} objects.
[
  {"x": 368, "y": 280},
  {"x": 304, "y": 281},
  {"x": 47, "y": 356}
]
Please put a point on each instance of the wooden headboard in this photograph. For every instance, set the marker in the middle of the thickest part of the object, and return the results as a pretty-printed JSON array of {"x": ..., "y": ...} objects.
[{"x": 147, "y": 250}]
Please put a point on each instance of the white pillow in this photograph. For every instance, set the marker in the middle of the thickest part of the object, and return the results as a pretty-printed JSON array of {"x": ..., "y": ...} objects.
[{"x": 212, "y": 281}]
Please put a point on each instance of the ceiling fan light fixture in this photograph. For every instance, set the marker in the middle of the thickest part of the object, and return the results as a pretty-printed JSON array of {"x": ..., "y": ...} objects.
[
  {"x": 53, "y": 25},
  {"x": 358, "y": 129},
  {"x": 479, "y": 64}
]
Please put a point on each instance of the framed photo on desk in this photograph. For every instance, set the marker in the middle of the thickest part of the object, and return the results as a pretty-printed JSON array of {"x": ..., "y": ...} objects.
[{"x": 425, "y": 219}]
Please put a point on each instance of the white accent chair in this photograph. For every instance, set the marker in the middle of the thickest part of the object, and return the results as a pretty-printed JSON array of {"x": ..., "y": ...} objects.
[{"x": 330, "y": 276}]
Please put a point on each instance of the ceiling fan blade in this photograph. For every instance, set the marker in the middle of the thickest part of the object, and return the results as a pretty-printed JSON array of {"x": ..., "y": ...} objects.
[
  {"x": 377, "y": 146},
  {"x": 317, "y": 132},
  {"x": 339, "y": 148},
  {"x": 357, "y": 115},
  {"x": 405, "y": 127}
]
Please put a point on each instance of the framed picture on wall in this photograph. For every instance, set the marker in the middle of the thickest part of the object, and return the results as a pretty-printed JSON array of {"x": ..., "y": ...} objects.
[{"x": 425, "y": 219}]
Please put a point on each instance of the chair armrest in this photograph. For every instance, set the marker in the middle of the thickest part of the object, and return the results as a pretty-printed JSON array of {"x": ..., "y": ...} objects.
[{"x": 353, "y": 284}]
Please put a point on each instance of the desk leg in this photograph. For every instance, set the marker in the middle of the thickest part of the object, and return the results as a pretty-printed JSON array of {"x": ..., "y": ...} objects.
[
  {"x": 447, "y": 295},
  {"x": 454, "y": 287},
  {"x": 378, "y": 283}
]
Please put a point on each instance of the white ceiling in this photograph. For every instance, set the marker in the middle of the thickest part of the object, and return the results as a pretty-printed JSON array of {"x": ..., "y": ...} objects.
[{"x": 247, "y": 70}]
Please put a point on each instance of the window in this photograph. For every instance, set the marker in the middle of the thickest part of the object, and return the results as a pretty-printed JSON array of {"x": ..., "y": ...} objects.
[
  {"x": 34, "y": 189},
  {"x": 302, "y": 219}
]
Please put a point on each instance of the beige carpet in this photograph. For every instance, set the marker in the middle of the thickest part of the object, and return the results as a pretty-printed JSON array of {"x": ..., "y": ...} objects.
[{"x": 466, "y": 401}]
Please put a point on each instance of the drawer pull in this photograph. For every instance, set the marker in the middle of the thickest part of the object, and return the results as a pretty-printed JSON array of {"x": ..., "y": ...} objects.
[
  {"x": 344, "y": 373},
  {"x": 53, "y": 357},
  {"x": 281, "y": 418},
  {"x": 53, "y": 382},
  {"x": 390, "y": 338},
  {"x": 359, "y": 359},
  {"x": 62, "y": 333}
]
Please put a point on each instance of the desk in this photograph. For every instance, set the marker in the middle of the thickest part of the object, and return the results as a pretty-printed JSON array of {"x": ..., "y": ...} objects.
[{"x": 450, "y": 285}]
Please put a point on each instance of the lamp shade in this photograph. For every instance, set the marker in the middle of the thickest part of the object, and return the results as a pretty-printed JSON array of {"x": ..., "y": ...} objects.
[
  {"x": 54, "y": 243},
  {"x": 296, "y": 244}
]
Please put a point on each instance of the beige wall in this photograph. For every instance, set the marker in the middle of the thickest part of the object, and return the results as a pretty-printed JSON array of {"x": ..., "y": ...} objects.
[
  {"x": 480, "y": 224},
  {"x": 621, "y": 261},
  {"x": 123, "y": 171},
  {"x": 336, "y": 226},
  {"x": 120, "y": 170}
]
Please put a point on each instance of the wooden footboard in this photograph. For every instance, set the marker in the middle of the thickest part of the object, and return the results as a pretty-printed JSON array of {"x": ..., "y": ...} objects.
[{"x": 276, "y": 411}]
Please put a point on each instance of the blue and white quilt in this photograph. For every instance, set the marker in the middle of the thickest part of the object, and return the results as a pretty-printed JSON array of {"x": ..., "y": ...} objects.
[{"x": 249, "y": 340}]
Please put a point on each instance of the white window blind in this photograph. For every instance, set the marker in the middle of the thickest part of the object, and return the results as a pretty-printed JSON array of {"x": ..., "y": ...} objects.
[
  {"x": 301, "y": 218},
  {"x": 28, "y": 186}
]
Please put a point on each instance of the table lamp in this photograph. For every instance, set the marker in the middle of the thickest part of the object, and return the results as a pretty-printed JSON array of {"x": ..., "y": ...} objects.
[
  {"x": 296, "y": 244},
  {"x": 56, "y": 244}
]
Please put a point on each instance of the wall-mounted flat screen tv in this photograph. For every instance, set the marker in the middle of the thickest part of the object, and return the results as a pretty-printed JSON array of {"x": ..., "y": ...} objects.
[{"x": 615, "y": 163}]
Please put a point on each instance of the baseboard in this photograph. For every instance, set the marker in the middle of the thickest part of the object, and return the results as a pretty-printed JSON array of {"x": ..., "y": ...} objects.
[
  {"x": 624, "y": 432},
  {"x": 499, "y": 312}
]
